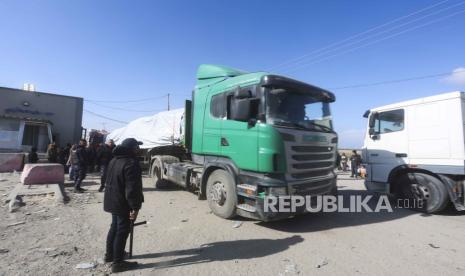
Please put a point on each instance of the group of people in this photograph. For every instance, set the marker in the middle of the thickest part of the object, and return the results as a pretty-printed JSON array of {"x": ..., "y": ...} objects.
[
  {"x": 121, "y": 178},
  {"x": 355, "y": 161},
  {"x": 81, "y": 160}
]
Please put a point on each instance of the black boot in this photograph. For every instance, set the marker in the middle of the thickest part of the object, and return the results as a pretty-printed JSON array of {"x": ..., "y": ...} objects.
[
  {"x": 101, "y": 188},
  {"x": 123, "y": 266}
]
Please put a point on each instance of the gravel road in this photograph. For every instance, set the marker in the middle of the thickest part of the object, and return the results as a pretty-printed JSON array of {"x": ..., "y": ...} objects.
[{"x": 184, "y": 238}]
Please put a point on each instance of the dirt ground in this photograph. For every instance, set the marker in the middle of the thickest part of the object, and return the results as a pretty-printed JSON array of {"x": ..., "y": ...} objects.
[{"x": 184, "y": 238}]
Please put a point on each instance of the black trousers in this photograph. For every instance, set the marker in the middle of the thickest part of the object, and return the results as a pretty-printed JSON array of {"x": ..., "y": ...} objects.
[
  {"x": 117, "y": 236},
  {"x": 79, "y": 175},
  {"x": 354, "y": 170},
  {"x": 103, "y": 174}
]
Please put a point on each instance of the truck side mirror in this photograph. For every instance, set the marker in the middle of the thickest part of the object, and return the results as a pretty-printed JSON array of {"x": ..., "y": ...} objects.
[
  {"x": 242, "y": 93},
  {"x": 372, "y": 119},
  {"x": 243, "y": 109}
]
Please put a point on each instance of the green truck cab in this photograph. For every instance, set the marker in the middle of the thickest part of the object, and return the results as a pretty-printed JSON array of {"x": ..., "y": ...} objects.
[{"x": 248, "y": 135}]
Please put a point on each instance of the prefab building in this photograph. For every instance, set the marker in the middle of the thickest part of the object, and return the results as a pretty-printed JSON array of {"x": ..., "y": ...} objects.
[{"x": 35, "y": 119}]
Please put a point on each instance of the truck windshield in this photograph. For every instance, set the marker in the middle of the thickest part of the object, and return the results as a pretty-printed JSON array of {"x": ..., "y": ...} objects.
[{"x": 297, "y": 109}]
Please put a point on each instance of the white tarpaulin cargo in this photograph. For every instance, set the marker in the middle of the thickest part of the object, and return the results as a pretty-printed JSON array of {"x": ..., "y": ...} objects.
[{"x": 161, "y": 129}]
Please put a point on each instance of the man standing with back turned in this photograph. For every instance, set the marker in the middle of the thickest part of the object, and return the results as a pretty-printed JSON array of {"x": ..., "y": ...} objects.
[{"x": 123, "y": 198}]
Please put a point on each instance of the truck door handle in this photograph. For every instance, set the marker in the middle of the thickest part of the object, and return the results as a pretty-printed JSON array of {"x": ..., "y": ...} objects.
[
  {"x": 374, "y": 154},
  {"x": 224, "y": 142},
  {"x": 401, "y": 155}
]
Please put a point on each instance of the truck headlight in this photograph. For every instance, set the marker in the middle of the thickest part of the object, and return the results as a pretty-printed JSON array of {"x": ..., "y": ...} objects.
[{"x": 276, "y": 191}]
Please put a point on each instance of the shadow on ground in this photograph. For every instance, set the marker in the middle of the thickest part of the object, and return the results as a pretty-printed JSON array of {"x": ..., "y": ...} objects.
[{"x": 222, "y": 251}]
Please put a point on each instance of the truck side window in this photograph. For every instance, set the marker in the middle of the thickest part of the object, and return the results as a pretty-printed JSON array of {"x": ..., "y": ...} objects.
[
  {"x": 390, "y": 121},
  {"x": 218, "y": 106}
]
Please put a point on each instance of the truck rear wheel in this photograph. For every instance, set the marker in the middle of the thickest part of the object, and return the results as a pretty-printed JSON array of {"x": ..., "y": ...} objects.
[
  {"x": 424, "y": 192},
  {"x": 158, "y": 182},
  {"x": 221, "y": 195},
  {"x": 157, "y": 170}
]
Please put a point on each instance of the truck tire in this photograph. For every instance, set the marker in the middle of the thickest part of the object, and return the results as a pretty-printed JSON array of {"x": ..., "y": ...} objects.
[
  {"x": 426, "y": 189},
  {"x": 221, "y": 194},
  {"x": 157, "y": 168}
]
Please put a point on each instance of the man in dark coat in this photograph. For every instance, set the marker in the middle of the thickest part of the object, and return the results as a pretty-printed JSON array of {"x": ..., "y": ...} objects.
[
  {"x": 355, "y": 161},
  {"x": 33, "y": 157},
  {"x": 123, "y": 198},
  {"x": 81, "y": 166},
  {"x": 104, "y": 155}
]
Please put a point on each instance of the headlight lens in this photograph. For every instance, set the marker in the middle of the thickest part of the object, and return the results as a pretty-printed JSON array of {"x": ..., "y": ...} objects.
[{"x": 276, "y": 191}]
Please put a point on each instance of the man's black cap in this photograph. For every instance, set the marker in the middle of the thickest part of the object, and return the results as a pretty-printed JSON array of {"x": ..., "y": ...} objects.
[{"x": 131, "y": 143}]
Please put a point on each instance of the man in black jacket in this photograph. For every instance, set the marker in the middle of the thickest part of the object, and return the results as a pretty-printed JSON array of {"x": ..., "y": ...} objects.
[
  {"x": 104, "y": 155},
  {"x": 81, "y": 166},
  {"x": 123, "y": 198}
]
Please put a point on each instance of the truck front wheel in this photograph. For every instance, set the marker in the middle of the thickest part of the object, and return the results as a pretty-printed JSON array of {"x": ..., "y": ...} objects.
[
  {"x": 221, "y": 195},
  {"x": 424, "y": 192}
]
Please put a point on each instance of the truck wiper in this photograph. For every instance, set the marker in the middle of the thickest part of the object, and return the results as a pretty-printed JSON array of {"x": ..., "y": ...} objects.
[
  {"x": 289, "y": 124},
  {"x": 323, "y": 127}
]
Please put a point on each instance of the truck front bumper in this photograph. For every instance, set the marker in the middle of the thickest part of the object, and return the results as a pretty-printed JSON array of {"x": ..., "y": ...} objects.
[{"x": 307, "y": 189}]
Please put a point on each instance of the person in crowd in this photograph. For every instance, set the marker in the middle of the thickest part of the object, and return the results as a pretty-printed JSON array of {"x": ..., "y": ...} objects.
[
  {"x": 61, "y": 156},
  {"x": 81, "y": 167},
  {"x": 123, "y": 198},
  {"x": 33, "y": 157},
  {"x": 91, "y": 154},
  {"x": 72, "y": 162},
  {"x": 338, "y": 161},
  {"x": 67, "y": 150},
  {"x": 104, "y": 156},
  {"x": 52, "y": 153},
  {"x": 111, "y": 143},
  {"x": 355, "y": 161},
  {"x": 344, "y": 162}
]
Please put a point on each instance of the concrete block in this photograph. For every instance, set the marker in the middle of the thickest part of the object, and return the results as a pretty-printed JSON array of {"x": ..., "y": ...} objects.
[
  {"x": 43, "y": 174},
  {"x": 10, "y": 162}
]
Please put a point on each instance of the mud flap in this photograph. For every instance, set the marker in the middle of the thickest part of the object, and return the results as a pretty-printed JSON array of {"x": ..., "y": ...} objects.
[{"x": 457, "y": 198}]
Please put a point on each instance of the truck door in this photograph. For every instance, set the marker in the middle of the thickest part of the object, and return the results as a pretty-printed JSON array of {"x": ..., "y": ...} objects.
[
  {"x": 387, "y": 146},
  {"x": 215, "y": 113},
  {"x": 239, "y": 140}
]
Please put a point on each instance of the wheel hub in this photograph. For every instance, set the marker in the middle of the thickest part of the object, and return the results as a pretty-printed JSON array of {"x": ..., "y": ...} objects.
[
  {"x": 420, "y": 192},
  {"x": 218, "y": 193}
]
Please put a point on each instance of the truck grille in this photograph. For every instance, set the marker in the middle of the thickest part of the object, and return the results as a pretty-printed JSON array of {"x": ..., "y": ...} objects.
[{"x": 310, "y": 165}]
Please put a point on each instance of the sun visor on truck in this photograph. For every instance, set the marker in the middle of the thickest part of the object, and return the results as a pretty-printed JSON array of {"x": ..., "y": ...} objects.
[
  {"x": 283, "y": 82},
  {"x": 210, "y": 71}
]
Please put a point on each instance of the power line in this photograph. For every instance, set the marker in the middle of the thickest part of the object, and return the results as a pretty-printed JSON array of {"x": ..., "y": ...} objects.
[
  {"x": 105, "y": 117},
  {"x": 128, "y": 101},
  {"x": 120, "y": 108},
  {"x": 376, "y": 41},
  {"x": 346, "y": 45},
  {"x": 397, "y": 80},
  {"x": 357, "y": 35}
]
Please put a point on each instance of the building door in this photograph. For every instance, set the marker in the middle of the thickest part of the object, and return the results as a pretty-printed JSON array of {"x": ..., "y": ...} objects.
[{"x": 35, "y": 135}]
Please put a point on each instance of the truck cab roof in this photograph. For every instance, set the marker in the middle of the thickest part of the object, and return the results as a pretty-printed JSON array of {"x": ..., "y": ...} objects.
[{"x": 435, "y": 98}]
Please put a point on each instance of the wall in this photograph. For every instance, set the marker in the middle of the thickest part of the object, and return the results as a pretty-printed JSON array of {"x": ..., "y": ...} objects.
[{"x": 64, "y": 112}]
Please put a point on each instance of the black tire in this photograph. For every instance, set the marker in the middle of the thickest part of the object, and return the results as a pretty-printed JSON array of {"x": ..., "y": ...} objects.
[
  {"x": 221, "y": 194},
  {"x": 158, "y": 182},
  {"x": 423, "y": 192}
]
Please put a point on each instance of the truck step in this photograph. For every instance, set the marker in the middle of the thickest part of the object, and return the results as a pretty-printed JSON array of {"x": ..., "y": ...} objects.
[{"x": 247, "y": 207}]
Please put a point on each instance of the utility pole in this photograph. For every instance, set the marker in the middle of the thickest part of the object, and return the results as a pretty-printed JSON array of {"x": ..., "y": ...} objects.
[{"x": 168, "y": 101}]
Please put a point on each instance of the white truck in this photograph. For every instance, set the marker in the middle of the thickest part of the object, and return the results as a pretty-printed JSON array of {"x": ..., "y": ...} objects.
[{"x": 415, "y": 150}]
